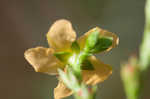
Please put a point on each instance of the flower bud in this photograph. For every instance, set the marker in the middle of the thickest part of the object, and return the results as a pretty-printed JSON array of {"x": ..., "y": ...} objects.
[{"x": 131, "y": 76}]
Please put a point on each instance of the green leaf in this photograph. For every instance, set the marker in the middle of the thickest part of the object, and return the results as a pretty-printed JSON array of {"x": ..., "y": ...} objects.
[
  {"x": 62, "y": 56},
  {"x": 75, "y": 47},
  {"x": 96, "y": 43},
  {"x": 92, "y": 40},
  {"x": 103, "y": 44},
  {"x": 87, "y": 65}
]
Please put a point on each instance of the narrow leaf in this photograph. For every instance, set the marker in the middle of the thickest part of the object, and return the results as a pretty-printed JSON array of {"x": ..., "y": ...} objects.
[
  {"x": 103, "y": 44},
  {"x": 92, "y": 40},
  {"x": 75, "y": 47},
  {"x": 62, "y": 56}
]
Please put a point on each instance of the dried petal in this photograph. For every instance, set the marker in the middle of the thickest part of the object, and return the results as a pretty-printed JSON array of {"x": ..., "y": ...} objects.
[
  {"x": 102, "y": 32},
  {"x": 61, "y": 35},
  {"x": 43, "y": 60},
  {"x": 61, "y": 91},
  {"x": 101, "y": 72}
]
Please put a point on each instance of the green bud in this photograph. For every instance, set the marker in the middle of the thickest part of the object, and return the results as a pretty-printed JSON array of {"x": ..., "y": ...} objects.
[{"x": 131, "y": 77}]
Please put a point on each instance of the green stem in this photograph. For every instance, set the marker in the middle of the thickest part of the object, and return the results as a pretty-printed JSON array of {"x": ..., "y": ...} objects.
[
  {"x": 133, "y": 80},
  {"x": 72, "y": 78},
  {"x": 86, "y": 94},
  {"x": 145, "y": 46}
]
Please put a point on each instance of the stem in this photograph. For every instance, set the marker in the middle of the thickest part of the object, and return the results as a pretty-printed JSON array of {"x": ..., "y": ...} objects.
[
  {"x": 84, "y": 92},
  {"x": 133, "y": 81},
  {"x": 72, "y": 78},
  {"x": 144, "y": 59},
  {"x": 145, "y": 46}
]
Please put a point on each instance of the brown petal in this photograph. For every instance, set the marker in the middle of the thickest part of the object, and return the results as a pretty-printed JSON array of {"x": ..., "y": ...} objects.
[
  {"x": 99, "y": 74},
  {"x": 102, "y": 32},
  {"x": 61, "y": 91},
  {"x": 61, "y": 35},
  {"x": 43, "y": 60}
]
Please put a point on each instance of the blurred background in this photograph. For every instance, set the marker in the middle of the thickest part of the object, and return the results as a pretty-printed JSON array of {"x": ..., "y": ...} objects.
[{"x": 24, "y": 24}]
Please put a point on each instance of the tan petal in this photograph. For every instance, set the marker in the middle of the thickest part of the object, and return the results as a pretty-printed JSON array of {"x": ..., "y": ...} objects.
[
  {"x": 42, "y": 60},
  {"x": 102, "y": 32},
  {"x": 101, "y": 72},
  {"x": 61, "y": 91},
  {"x": 61, "y": 35}
]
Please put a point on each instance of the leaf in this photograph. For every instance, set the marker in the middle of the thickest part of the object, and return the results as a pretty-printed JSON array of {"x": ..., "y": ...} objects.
[
  {"x": 75, "y": 47},
  {"x": 62, "y": 56},
  {"x": 87, "y": 65},
  {"x": 92, "y": 40},
  {"x": 103, "y": 44}
]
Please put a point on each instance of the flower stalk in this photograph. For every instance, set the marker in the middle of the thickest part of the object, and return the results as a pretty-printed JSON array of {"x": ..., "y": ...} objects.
[
  {"x": 133, "y": 72},
  {"x": 145, "y": 46}
]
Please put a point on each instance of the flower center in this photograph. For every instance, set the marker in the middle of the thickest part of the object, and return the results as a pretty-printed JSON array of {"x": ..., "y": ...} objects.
[{"x": 72, "y": 59}]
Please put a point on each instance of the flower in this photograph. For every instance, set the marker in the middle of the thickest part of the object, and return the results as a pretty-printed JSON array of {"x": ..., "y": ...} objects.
[{"x": 60, "y": 38}]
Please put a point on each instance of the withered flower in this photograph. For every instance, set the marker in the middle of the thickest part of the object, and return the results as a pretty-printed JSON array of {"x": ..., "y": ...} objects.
[{"x": 60, "y": 38}]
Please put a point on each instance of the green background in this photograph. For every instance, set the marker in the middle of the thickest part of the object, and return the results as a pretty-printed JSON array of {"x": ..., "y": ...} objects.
[{"x": 24, "y": 24}]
